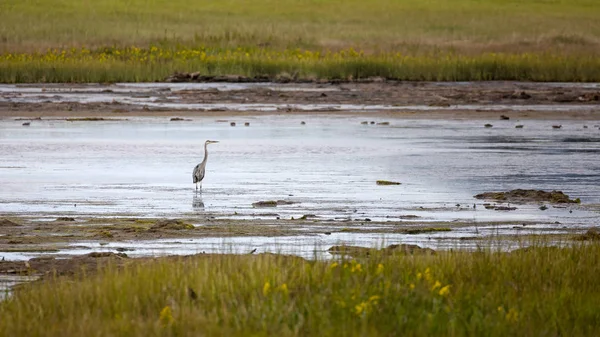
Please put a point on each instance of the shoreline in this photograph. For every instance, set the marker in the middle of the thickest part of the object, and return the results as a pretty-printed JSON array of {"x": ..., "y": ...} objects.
[{"x": 404, "y": 100}]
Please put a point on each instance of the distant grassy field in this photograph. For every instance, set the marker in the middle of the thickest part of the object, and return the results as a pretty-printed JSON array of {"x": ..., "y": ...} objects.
[
  {"x": 136, "y": 40},
  {"x": 537, "y": 292}
]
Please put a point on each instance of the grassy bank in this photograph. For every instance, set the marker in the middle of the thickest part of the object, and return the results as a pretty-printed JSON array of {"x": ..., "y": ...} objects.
[
  {"x": 135, "y": 40},
  {"x": 542, "y": 291},
  {"x": 157, "y": 63}
]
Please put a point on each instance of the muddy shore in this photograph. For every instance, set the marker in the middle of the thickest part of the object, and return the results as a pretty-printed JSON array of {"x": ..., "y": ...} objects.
[{"x": 472, "y": 100}]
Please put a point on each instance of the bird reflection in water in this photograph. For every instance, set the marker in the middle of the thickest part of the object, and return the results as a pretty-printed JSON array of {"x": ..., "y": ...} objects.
[{"x": 197, "y": 202}]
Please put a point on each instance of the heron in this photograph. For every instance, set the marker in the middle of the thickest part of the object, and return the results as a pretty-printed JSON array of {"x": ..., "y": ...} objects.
[{"x": 199, "y": 170}]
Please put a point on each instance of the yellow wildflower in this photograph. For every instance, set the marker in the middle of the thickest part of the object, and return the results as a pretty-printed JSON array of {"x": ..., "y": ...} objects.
[
  {"x": 266, "y": 288},
  {"x": 412, "y": 286},
  {"x": 333, "y": 265},
  {"x": 374, "y": 299},
  {"x": 436, "y": 285},
  {"x": 379, "y": 269},
  {"x": 284, "y": 289},
  {"x": 428, "y": 275},
  {"x": 166, "y": 316},
  {"x": 356, "y": 268},
  {"x": 360, "y": 308},
  {"x": 512, "y": 315},
  {"x": 445, "y": 290}
]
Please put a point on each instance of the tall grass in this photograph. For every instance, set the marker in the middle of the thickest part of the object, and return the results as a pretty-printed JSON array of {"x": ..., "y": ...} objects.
[
  {"x": 156, "y": 63},
  {"x": 552, "y": 40},
  {"x": 540, "y": 291},
  {"x": 34, "y": 25}
]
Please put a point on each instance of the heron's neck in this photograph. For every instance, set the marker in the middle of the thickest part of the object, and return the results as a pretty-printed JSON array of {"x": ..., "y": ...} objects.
[{"x": 205, "y": 152}]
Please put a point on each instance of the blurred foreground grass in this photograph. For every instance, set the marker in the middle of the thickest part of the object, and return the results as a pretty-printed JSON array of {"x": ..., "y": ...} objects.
[
  {"x": 135, "y": 40},
  {"x": 536, "y": 291}
]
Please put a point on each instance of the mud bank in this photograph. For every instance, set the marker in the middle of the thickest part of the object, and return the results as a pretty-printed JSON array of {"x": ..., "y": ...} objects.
[{"x": 472, "y": 100}]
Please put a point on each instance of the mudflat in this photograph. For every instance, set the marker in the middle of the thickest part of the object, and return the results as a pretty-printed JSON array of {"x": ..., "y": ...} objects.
[{"x": 415, "y": 100}]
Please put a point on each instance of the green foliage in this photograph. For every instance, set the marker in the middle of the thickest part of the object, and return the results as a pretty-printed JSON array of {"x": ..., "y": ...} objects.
[{"x": 535, "y": 291}]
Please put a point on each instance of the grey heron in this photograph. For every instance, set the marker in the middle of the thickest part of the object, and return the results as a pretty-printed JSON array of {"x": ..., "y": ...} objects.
[{"x": 199, "y": 170}]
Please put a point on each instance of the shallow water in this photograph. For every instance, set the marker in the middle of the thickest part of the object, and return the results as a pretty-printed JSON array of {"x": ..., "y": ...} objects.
[
  {"x": 143, "y": 167},
  {"x": 312, "y": 246}
]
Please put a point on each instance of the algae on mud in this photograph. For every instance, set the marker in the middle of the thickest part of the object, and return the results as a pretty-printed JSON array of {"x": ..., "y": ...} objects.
[
  {"x": 522, "y": 196},
  {"x": 387, "y": 182}
]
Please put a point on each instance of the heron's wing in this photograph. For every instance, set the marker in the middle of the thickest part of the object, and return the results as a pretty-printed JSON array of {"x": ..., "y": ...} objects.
[{"x": 198, "y": 174}]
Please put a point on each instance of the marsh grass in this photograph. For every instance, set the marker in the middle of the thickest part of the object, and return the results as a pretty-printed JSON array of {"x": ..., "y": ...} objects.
[
  {"x": 113, "y": 40},
  {"x": 156, "y": 63},
  {"x": 535, "y": 291}
]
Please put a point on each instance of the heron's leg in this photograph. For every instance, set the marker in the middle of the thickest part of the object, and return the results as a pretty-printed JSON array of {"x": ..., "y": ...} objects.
[{"x": 196, "y": 186}]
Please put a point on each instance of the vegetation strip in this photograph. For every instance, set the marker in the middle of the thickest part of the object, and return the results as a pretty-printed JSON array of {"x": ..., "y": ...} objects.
[
  {"x": 152, "y": 64},
  {"x": 539, "y": 290},
  {"x": 437, "y": 40}
]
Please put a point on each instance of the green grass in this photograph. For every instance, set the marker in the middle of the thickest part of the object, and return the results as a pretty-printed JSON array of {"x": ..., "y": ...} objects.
[
  {"x": 540, "y": 291},
  {"x": 106, "y": 41},
  {"x": 29, "y": 25}
]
